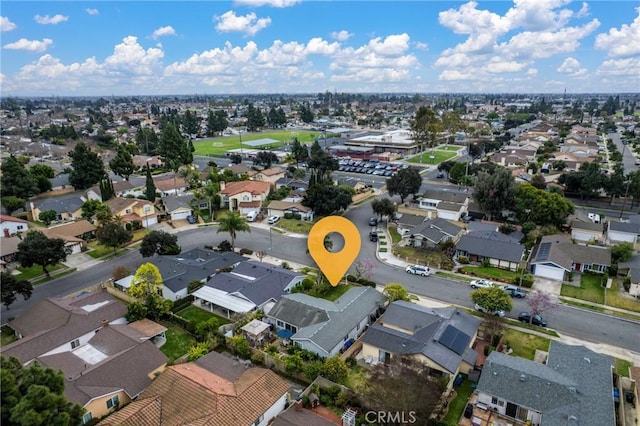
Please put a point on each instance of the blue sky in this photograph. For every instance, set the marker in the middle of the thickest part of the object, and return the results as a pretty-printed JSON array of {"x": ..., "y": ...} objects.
[{"x": 100, "y": 48}]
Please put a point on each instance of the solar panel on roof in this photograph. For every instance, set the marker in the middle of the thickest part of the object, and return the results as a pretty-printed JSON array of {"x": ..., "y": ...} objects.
[
  {"x": 454, "y": 339},
  {"x": 543, "y": 251}
]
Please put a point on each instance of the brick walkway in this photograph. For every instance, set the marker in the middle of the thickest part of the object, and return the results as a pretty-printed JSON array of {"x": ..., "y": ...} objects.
[{"x": 327, "y": 414}]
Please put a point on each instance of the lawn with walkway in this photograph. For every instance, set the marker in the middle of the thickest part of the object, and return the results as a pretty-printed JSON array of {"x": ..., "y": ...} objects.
[{"x": 438, "y": 157}]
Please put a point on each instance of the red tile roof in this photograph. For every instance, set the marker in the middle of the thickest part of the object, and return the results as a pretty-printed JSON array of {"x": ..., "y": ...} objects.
[{"x": 252, "y": 186}]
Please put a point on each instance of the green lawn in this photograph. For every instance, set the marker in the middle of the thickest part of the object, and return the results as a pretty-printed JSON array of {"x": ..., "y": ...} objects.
[
  {"x": 621, "y": 366},
  {"x": 440, "y": 156},
  {"x": 36, "y": 271},
  {"x": 454, "y": 148},
  {"x": 193, "y": 313},
  {"x": 524, "y": 345},
  {"x": 614, "y": 299},
  {"x": 7, "y": 336},
  {"x": 220, "y": 145},
  {"x": 98, "y": 250},
  {"x": 395, "y": 236},
  {"x": 335, "y": 292},
  {"x": 297, "y": 226},
  {"x": 456, "y": 407},
  {"x": 178, "y": 342},
  {"x": 590, "y": 289},
  {"x": 421, "y": 257},
  {"x": 357, "y": 378},
  {"x": 490, "y": 273}
]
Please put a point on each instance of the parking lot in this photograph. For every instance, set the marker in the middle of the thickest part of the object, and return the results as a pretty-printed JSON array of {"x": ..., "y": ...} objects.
[{"x": 371, "y": 167}]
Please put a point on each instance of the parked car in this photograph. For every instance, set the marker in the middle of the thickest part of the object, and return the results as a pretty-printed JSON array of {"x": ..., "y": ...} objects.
[
  {"x": 467, "y": 218},
  {"x": 514, "y": 291},
  {"x": 373, "y": 221},
  {"x": 273, "y": 219},
  {"x": 440, "y": 175},
  {"x": 481, "y": 283},
  {"x": 499, "y": 313},
  {"x": 191, "y": 219},
  {"x": 373, "y": 236},
  {"x": 418, "y": 270},
  {"x": 537, "y": 319}
]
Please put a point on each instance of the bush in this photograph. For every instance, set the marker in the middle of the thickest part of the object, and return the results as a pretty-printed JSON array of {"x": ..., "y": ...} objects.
[
  {"x": 351, "y": 361},
  {"x": 312, "y": 370},
  {"x": 194, "y": 285},
  {"x": 367, "y": 282},
  {"x": 180, "y": 304},
  {"x": 463, "y": 259},
  {"x": 285, "y": 265},
  {"x": 527, "y": 281},
  {"x": 257, "y": 359},
  {"x": 626, "y": 283},
  {"x": 271, "y": 349},
  {"x": 224, "y": 246},
  {"x": 288, "y": 215},
  {"x": 352, "y": 278},
  {"x": 446, "y": 264},
  {"x": 507, "y": 228},
  {"x": 297, "y": 216},
  {"x": 246, "y": 251}
]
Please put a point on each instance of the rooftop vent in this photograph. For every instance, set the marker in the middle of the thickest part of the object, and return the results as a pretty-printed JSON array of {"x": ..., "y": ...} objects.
[
  {"x": 587, "y": 360},
  {"x": 523, "y": 377}
]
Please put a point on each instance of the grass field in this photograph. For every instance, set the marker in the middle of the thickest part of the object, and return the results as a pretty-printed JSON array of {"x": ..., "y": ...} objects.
[
  {"x": 439, "y": 157},
  {"x": 178, "y": 342},
  {"x": 297, "y": 226},
  {"x": 524, "y": 345},
  {"x": 36, "y": 271},
  {"x": 335, "y": 292},
  {"x": 590, "y": 289},
  {"x": 220, "y": 145},
  {"x": 456, "y": 407},
  {"x": 193, "y": 313}
]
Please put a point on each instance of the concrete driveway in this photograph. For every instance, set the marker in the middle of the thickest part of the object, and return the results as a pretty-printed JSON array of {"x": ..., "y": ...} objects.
[{"x": 546, "y": 285}]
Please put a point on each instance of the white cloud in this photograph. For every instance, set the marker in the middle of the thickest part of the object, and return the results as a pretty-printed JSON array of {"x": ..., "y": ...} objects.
[
  {"x": 29, "y": 45},
  {"x": 621, "y": 42},
  {"x": 272, "y": 3},
  {"x": 626, "y": 66},
  {"x": 584, "y": 11},
  {"x": 498, "y": 66},
  {"x": 343, "y": 35},
  {"x": 92, "y": 12},
  {"x": 129, "y": 56},
  {"x": 163, "y": 31},
  {"x": 53, "y": 20},
  {"x": 455, "y": 60},
  {"x": 6, "y": 24},
  {"x": 469, "y": 20},
  {"x": 318, "y": 46},
  {"x": 248, "y": 24},
  {"x": 572, "y": 67},
  {"x": 393, "y": 45},
  {"x": 538, "y": 15},
  {"x": 421, "y": 46}
]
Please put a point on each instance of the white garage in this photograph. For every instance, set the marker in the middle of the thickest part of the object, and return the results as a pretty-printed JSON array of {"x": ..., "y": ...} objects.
[
  {"x": 180, "y": 214},
  {"x": 549, "y": 271}
]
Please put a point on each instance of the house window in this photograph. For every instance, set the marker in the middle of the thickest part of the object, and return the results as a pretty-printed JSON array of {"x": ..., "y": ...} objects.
[
  {"x": 128, "y": 211},
  {"x": 498, "y": 402},
  {"x": 258, "y": 420},
  {"x": 114, "y": 401},
  {"x": 20, "y": 227},
  {"x": 75, "y": 343},
  {"x": 279, "y": 323},
  {"x": 87, "y": 418}
]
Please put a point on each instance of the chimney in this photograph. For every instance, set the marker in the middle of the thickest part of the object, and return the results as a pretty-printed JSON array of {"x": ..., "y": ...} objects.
[
  {"x": 222, "y": 185},
  {"x": 298, "y": 404},
  {"x": 105, "y": 323},
  {"x": 6, "y": 233}
]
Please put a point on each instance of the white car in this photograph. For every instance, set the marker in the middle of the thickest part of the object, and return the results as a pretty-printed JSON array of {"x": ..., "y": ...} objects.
[
  {"x": 418, "y": 270},
  {"x": 273, "y": 219},
  {"x": 499, "y": 313},
  {"x": 481, "y": 283}
]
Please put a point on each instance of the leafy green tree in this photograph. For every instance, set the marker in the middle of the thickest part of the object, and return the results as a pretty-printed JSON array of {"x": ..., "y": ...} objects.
[
  {"x": 174, "y": 150},
  {"x": 12, "y": 203},
  {"x": 540, "y": 302},
  {"x": 255, "y": 118},
  {"x": 42, "y": 173},
  {"x": 396, "y": 291},
  {"x": 37, "y": 249},
  {"x": 97, "y": 209},
  {"x": 621, "y": 252},
  {"x": 210, "y": 193},
  {"x": 425, "y": 127},
  {"x": 159, "y": 242},
  {"x": 11, "y": 287},
  {"x": 325, "y": 199},
  {"x": 235, "y": 158},
  {"x": 16, "y": 180},
  {"x": 34, "y": 396},
  {"x": 147, "y": 141},
  {"x": 112, "y": 234},
  {"x": 406, "y": 182},
  {"x": 383, "y": 207},
  {"x": 233, "y": 223},
  {"x": 335, "y": 369},
  {"x": 495, "y": 192},
  {"x": 591, "y": 180},
  {"x": 306, "y": 115},
  {"x": 190, "y": 123},
  {"x": 540, "y": 206},
  {"x": 492, "y": 299},
  {"x": 299, "y": 151},
  {"x": 216, "y": 122},
  {"x": 147, "y": 280},
  {"x": 87, "y": 167},
  {"x": 122, "y": 164},
  {"x": 47, "y": 216},
  {"x": 539, "y": 181},
  {"x": 265, "y": 158}
]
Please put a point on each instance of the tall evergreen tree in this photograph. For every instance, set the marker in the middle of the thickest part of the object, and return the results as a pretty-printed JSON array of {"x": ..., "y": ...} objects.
[
  {"x": 122, "y": 163},
  {"x": 87, "y": 167},
  {"x": 16, "y": 179},
  {"x": 150, "y": 191},
  {"x": 107, "y": 190}
]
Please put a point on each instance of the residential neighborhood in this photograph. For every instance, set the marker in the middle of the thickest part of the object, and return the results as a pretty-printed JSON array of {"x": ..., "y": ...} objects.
[{"x": 189, "y": 296}]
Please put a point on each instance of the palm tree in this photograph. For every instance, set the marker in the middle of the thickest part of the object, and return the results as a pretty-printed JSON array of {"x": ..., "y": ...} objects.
[{"x": 233, "y": 223}]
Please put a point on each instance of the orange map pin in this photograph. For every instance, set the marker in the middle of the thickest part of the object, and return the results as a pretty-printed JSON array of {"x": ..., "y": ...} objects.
[{"x": 334, "y": 265}]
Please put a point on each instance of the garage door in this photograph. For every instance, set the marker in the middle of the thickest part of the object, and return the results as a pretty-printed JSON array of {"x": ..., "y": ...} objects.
[
  {"x": 180, "y": 215},
  {"x": 549, "y": 272}
]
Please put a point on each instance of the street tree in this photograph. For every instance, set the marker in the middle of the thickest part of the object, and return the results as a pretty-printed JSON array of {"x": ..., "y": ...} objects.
[
  {"x": 406, "y": 182},
  {"x": 87, "y": 167},
  {"x": 540, "y": 302},
  {"x": 112, "y": 233},
  {"x": 34, "y": 396},
  {"x": 495, "y": 192},
  {"x": 16, "y": 180},
  {"x": 325, "y": 199},
  {"x": 395, "y": 291},
  {"x": 147, "y": 140},
  {"x": 47, "y": 216},
  {"x": 492, "y": 299},
  {"x": 232, "y": 224},
  {"x": 95, "y": 210},
  {"x": 402, "y": 385},
  {"x": 383, "y": 207},
  {"x": 476, "y": 150},
  {"x": 12, "y": 203},
  {"x": 11, "y": 287},
  {"x": 150, "y": 186},
  {"x": 122, "y": 164},
  {"x": 159, "y": 242},
  {"x": 621, "y": 252},
  {"x": 591, "y": 180},
  {"x": 265, "y": 158},
  {"x": 235, "y": 158},
  {"x": 363, "y": 268},
  {"x": 37, "y": 249}
]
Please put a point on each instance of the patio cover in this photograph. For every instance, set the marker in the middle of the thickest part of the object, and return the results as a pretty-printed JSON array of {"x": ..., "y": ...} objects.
[
  {"x": 223, "y": 299},
  {"x": 255, "y": 327}
]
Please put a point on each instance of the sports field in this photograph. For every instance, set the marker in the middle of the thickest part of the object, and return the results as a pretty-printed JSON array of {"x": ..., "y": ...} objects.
[
  {"x": 220, "y": 145},
  {"x": 439, "y": 157},
  {"x": 449, "y": 148}
]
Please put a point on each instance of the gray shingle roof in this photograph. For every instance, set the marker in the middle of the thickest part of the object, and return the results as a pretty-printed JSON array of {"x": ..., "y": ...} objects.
[
  {"x": 66, "y": 203},
  {"x": 449, "y": 196},
  {"x": 563, "y": 252},
  {"x": 437, "y": 229},
  {"x": 173, "y": 202},
  {"x": 590, "y": 226},
  {"x": 425, "y": 327},
  {"x": 574, "y": 382},
  {"x": 631, "y": 228},
  {"x": 491, "y": 244}
]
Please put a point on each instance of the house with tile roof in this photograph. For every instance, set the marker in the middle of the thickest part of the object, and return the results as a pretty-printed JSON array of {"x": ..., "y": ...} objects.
[
  {"x": 244, "y": 196},
  {"x": 213, "y": 390},
  {"x": 574, "y": 387},
  {"x": 141, "y": 161},
  {"x": 432, "y": 232},
  {"x": 440, "y": 338},
  {"x": 556, "y": 256},
  {"x": 500, "y": 250},
  {"x": 10, "y": 226},
  {"x": 133, "y": 210},
  {"x": 271, "y": 175},
  {"x": 281, "y": 207},
  {"x": 324, "y": 327},
  {"x": 105, "y": 361},
  {"x": 170, "y": 185},
  {"x": 249, "y": 286}
]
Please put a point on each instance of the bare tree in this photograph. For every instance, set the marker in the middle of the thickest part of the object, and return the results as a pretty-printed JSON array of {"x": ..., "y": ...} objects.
[
  {"x": 261, "y": 254},
  {"x": 540, "y": 302},
  {"x": 363, "y": 268}
]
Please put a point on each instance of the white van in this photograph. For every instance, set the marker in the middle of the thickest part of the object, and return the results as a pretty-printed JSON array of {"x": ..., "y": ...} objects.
[{"x": 252, "y": 216}]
